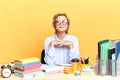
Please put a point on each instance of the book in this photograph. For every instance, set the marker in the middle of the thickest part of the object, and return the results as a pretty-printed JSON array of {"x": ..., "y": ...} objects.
[
  {"x": 27, "y": 60},
  {"x": 31, "y": 74},
  {"x": 27, "y": 64},
  {"x": 26, "y": 71},
  {"x": 51, "y": 69},
  {"x": 28, "y": 67}
]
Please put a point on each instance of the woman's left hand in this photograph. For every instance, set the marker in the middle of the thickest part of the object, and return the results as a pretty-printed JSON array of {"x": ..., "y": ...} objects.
[{"x": 68, "y": 43}]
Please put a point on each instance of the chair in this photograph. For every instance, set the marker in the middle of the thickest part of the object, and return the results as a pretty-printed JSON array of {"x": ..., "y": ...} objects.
[{"x": 42, "y": 56}]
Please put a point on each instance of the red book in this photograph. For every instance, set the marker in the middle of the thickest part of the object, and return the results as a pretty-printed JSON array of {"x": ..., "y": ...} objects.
[{"x": 27, "y": 71}]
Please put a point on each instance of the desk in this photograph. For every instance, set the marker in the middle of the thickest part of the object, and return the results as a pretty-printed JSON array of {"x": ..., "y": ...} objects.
[{"x": 62, "y": 76}]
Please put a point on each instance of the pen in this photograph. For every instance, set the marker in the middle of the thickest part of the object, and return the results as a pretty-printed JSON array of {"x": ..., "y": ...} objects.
[
  {"x": 81, "y": 60},
  {"x": 86, "y": 60}
]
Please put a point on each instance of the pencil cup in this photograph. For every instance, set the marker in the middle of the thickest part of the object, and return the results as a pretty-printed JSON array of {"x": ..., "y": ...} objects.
[{"x": 75, "y": 64}]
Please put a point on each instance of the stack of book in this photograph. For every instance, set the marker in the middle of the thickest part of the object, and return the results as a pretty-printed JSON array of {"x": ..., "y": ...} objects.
[{"x": 28, "y": 67}]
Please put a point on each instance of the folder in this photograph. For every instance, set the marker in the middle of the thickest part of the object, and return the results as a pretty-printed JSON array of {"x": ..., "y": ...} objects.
[
  {"x": 99, "y": 47},
  {"x": 113, "y": 65},
  {"x": 99, "y": 54},
  {"x": 104, "y": 57},
  {"x": 115, "y": 60},
  {"x": 111, "y": 51},
  {"x": 117, "y": 50},
  {"x": 118, "y": 65}
]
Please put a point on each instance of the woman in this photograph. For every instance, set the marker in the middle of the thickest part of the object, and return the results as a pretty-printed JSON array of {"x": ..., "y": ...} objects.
[{"x": 61, "y": 48}]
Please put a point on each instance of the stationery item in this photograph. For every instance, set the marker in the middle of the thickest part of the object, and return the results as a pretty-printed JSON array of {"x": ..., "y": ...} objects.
[
  {"x": 84, "y": 60},
  {"x": 105, "y": 47},
  {"x": 111, "y": 51},
  {"x": 99, "y": 47},
  {"x": 26, "y": 71},
  {"x": 104, "y": 57},
  {"x": 100, "y": 54},
  {"x": 29, "y": 67},
  {"x": 111, "y": 59},
  {"x": 88, "y": 68},
  {"x": 30, "y": 63},
  {"x": 51, "y": 69},
  {"x": 116, "y": 59},
  {"x": 84, "y": 63},
  {"x": 75, "y": 64},
  {"x": 117, "y": 50},
  {"x": 77, "y": 73},
  {"x": 81, "y": 60},
  {"x": 27, "y": 60},
  {"x": 68, "y": 70},
  {"x": 31, "y": 74},
  {"x": 118, "y": 65},
  {"x": 113, "y": 65},
  {"x": 65, "y": 65}
]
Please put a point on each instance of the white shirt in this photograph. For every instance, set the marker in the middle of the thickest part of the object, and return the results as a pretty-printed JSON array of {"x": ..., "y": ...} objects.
[{"x": 61, "y": 55}]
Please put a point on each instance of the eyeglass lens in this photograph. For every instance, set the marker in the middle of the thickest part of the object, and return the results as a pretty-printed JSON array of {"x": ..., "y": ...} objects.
[{"x": 59, "y": 22}]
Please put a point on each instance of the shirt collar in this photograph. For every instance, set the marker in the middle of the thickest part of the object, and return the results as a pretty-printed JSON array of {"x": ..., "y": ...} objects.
[{"x": 65, "y": 38}]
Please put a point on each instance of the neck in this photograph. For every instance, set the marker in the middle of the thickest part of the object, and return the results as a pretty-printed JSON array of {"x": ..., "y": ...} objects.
[{"x": 61, "y": 35}]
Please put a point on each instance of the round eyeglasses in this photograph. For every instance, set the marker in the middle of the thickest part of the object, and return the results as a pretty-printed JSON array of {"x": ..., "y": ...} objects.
[{"x": 63, "y": 22}]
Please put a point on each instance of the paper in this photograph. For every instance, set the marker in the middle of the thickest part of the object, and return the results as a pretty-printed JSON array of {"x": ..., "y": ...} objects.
[{"x": 47, "y": 68}]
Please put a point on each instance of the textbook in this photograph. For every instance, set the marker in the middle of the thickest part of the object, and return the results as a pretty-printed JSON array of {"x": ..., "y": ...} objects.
[
  {"x": 26, "y": 71},
  {"x": 27, "y": 64},
  {"x": 27, "y": 60},
  {"x": 28, "y": 67},
  {"x": 31, "y": 74}
]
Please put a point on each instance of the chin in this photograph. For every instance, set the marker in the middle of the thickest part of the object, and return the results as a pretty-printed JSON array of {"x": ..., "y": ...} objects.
[{"x": 62, "y": 31}]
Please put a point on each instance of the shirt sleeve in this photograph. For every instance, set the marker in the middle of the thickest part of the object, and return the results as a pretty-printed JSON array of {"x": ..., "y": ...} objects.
[
  {"x": 49, "y": 53},
  {"x": 74, "y": 53}
]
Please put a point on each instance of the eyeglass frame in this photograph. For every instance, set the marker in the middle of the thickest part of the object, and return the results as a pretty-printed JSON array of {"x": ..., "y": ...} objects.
[{"x": 63, "y": 22}]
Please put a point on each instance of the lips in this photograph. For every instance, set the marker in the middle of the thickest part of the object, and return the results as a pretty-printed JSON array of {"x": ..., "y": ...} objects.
[{"x": 61, "y": 27}]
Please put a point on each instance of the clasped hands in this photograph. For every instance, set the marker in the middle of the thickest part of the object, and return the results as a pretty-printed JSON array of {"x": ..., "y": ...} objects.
[{"x": 58, "y": 43}]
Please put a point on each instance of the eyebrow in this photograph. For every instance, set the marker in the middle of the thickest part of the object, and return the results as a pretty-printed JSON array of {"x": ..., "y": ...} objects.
[{"x": 61, "y": 20}]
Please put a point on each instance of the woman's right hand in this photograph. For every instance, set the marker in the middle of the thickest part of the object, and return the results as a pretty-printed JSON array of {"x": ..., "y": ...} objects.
[{"x": 56, "y": 43}]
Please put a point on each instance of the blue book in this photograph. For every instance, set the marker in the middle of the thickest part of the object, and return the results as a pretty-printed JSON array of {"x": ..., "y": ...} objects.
[{"x": 31, "y": 74}]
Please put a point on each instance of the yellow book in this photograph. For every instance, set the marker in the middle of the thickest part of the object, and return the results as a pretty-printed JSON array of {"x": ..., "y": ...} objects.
[{"x": 27, "y": 60}]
